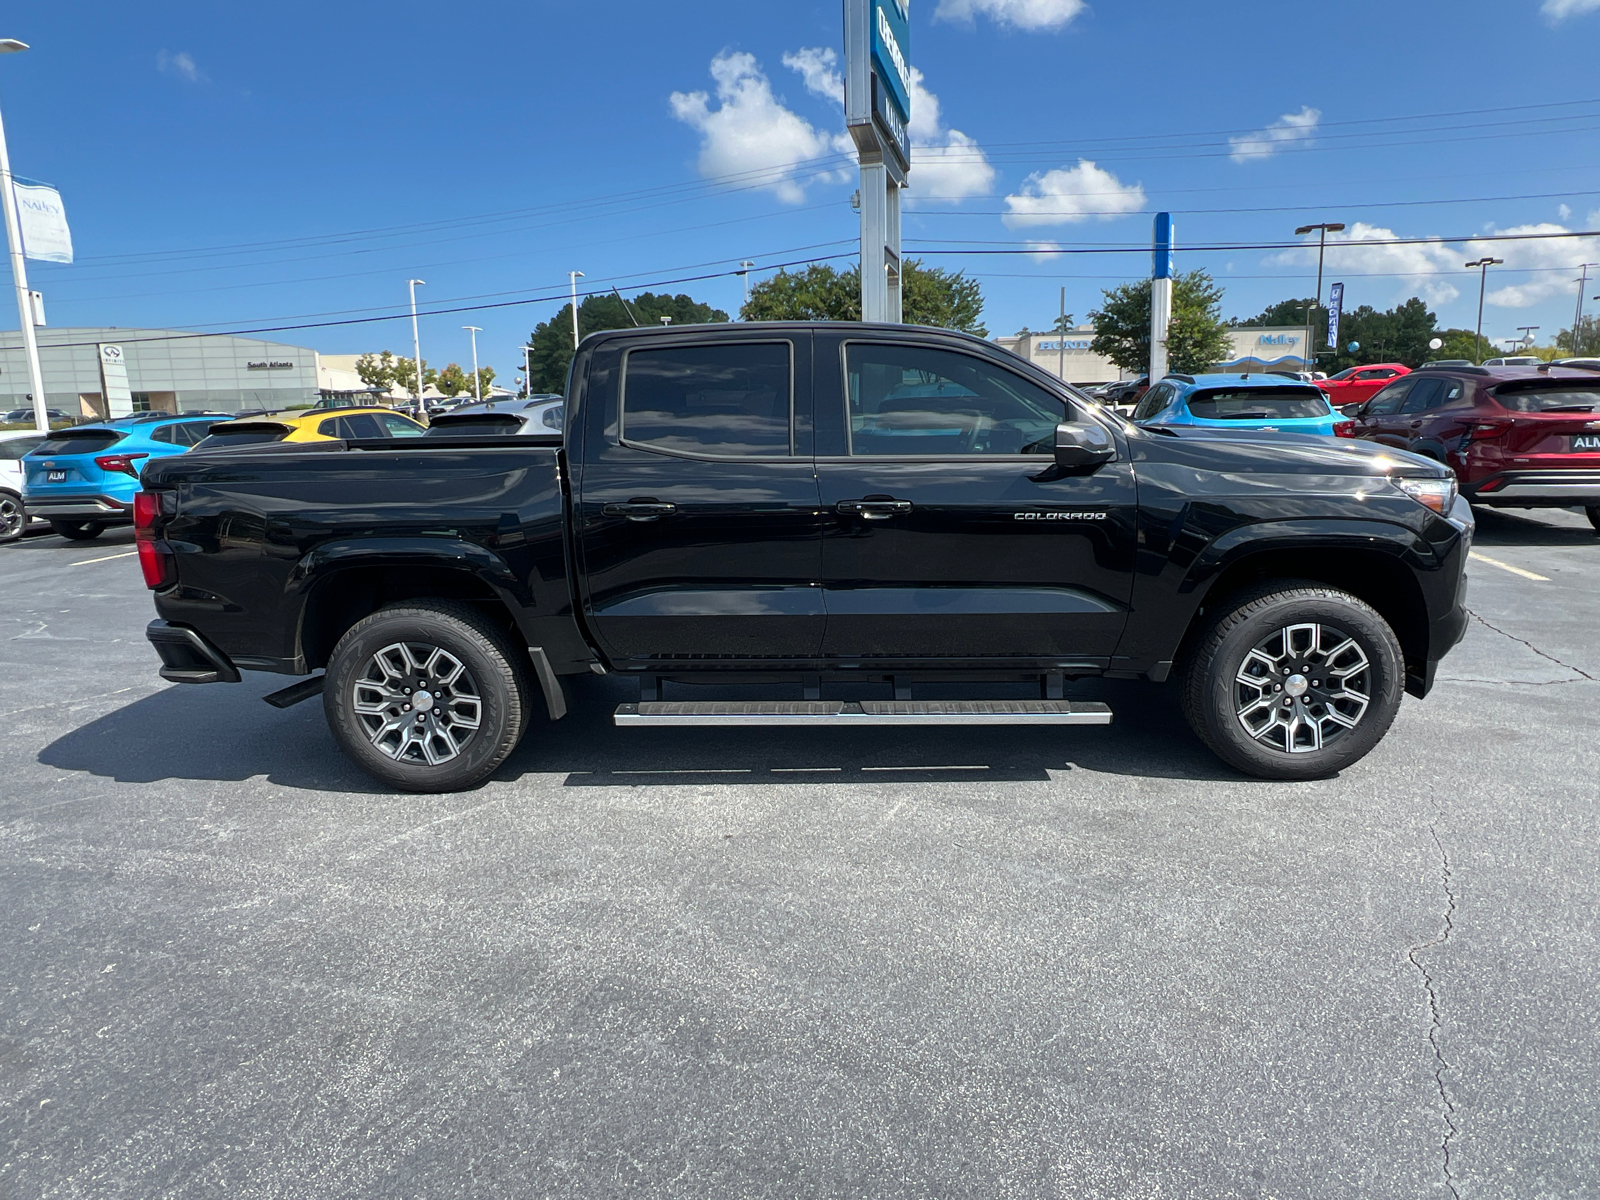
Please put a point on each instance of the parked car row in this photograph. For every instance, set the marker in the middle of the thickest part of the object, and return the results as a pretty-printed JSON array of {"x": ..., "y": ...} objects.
[{"x": 1516, "y": 436}]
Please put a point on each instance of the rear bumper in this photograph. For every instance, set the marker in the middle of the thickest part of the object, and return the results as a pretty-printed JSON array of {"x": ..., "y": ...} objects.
[
  {"x": 81, "y": 507},
  {"x": 1534, "y": 489},
  {"x": 187, "y": 657}
]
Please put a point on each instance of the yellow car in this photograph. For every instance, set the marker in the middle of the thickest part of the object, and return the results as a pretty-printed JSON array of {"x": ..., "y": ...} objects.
[{"x": 311, "y": 425}]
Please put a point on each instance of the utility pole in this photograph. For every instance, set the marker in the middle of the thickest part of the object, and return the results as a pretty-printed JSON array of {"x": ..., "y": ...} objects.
[
  {"x": 1311, "y": 313},
  {"x": 1061, "y": 338},
  {"x": 1577, "y": 321},
  {"x": 416, "y": 341},
  {"x": 1483, "y": 264},
  {"x": 574, "y": 276},
  {"x": 19, "y": 272},
  {"x": 477, "y": 384}
]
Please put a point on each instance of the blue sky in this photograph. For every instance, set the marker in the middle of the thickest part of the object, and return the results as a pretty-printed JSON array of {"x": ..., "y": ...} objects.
[{"x": 231, "y": 167}]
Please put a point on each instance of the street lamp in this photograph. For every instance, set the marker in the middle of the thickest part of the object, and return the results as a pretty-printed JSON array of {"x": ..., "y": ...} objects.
[
  {"x": 1483, "y": 264},
  {"x": 1322, "y": 231},
  {"x": 477, "y": 385},
  {"x": 1527, "y": 335},
  {"x": 19, "y": 272},
  {"x": 574, "y": 276},
  {"x": 1577, "y": 321},
  {"x": 416, "y": 342},
  {"x": 527, "y": 371},
  {"x": 745, "y": 268}
]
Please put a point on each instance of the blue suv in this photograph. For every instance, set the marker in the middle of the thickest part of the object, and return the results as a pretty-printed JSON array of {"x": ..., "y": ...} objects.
[
  {"x": 1272, "y": 403},
  {"x": 83, "y": 479}
]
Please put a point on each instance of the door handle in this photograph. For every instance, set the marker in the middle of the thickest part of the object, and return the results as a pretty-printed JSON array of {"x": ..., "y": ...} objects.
[
  {"x": 640, "y": 510},
  {"x": 873, "y": 510}
]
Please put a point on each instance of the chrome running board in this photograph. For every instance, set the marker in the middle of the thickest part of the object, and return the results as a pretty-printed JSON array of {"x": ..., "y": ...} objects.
[{"x": 834, "y": 713}]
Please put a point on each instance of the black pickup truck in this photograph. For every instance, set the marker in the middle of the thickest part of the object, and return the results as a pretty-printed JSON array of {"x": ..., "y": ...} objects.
[{"x": 800, "y": 505}]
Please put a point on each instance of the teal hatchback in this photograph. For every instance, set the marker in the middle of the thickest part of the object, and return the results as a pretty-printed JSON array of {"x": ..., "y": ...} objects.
[{"x": 1270, "y": 403}]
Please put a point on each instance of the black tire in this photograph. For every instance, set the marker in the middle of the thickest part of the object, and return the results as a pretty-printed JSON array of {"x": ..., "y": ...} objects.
[
  {"x": 436, "y": 749},
  {"x": 13, "y": 517},
  {"x": 1593, "y": 513},
  {"x": 1301, "y": 727},
  {"x": 78, "y": 531}
]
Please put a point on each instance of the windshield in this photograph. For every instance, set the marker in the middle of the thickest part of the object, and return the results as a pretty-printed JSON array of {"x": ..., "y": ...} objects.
[
  {"x": 224, "y": 438},
  {"x": 1562, "y": 398},
  {"x": 1258, "y": 404}
]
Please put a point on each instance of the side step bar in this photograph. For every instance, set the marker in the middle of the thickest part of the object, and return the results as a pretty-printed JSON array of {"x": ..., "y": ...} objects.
[{"x": 834, "y": 713}]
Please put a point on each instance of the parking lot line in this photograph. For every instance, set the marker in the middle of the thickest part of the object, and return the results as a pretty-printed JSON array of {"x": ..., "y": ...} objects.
[
  {"x": 84, "y": 562},
  {"x": 1495, "y": 562}
]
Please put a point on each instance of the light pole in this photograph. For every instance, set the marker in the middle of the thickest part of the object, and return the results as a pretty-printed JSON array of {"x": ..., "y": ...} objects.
[
  {"x": 1527, "y": 334},
  {"x": 19, "y": 272},
  {"x": 1577, "y": 321},
  {"x": 574, "y": 276},
  {"x": 1483, "y": 279},
  {"x": 745, "y": 267},
  {"x": 416, "y": 341},
  {"x": 477, "y": 385},
  {"x": 1322, "y": 231},
  {"x": 527, "y": 372}
]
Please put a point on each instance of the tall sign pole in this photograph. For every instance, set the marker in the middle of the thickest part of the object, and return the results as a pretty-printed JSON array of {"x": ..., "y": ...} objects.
[
  {"x": 19, "y": 273},
  {"x": 1160, "y": 296},
  {"x": 877, "y": 90}
]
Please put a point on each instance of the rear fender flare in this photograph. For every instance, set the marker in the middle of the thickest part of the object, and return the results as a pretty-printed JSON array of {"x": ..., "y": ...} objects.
[{"x": 451, "y": 554}]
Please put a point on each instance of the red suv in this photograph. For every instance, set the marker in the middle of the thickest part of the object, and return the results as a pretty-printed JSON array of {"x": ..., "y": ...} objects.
[{"x": 1517, "y": 437}]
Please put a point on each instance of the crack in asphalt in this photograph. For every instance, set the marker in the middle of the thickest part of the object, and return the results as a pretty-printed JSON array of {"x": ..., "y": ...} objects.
[
  {"x": 1551, "y": 657},
  {"x": 1435, "y": 1021}
]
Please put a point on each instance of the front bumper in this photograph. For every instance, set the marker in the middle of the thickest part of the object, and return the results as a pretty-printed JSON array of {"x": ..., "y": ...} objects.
[
  {"x": 1536, "y": 489},
  {"x": 106, "y": 509},
  {"x": 187, "y": 657}
]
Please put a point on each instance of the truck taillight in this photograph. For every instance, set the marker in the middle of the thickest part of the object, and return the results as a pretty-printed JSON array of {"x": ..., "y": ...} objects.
[
  {"x": 125, "y": 464},
  {"x": 155, "y": 556}
]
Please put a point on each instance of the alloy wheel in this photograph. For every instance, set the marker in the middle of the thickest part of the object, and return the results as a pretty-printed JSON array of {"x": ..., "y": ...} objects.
[
  {"x": 418, "y": 703},
  {"x": 12, "y": 518},
  {"x": 1303, "y": 688}
]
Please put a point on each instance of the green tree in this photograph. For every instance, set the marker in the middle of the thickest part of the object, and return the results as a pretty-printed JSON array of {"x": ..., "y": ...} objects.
[
  {"x": 376, "y": 371},
  {"x": 1196, "y": 340},
  {"x": 928, "y": 296},
  {"x": 1458, "y": 343},
  {"x": 1587, "y": 342},
  {"x": 551, "y": 353},
  {"x": 1400, "y": 335},
  {"x": 405, "y": 375},
  {"x": 1284, "y": 313},
  {"x": 453, "y": 380},
  {"x": 485, "y": 379}
]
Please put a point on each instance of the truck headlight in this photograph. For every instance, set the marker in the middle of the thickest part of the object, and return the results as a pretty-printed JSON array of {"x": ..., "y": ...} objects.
[{"x": 1436, "y": 494}]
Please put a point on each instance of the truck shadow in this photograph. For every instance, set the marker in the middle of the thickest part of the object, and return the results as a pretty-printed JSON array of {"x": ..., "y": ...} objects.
[{"x": 228, "y": 734}]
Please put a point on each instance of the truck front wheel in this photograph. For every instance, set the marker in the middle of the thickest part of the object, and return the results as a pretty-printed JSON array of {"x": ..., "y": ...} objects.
[
  {"x": 1293, "y": 681},
  {"x": 428, "y": 696}
]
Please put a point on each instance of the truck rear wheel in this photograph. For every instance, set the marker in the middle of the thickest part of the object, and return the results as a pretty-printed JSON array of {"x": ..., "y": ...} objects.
[
  {"x": 1294, "y": 681},
  {"x": 428, "y": 696}
]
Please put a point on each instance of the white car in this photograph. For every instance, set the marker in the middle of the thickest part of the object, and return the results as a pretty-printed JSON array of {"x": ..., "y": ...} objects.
[
  {"x": 13, "y": 445},
  {"x": 536, "y": 414}
]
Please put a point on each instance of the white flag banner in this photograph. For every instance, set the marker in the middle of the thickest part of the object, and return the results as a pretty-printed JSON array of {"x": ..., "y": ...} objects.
[{"x": 45, "y": 235}]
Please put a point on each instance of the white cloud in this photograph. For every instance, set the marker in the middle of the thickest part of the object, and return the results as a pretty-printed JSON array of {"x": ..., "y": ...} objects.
[
  {"x": 1035, "y": 14},
  {"x": 1070, "y": 195},
  {"x": 180, "y": 64},
  {"x": 946, "y": 164},
  {"x": 751, "y": 134},
  {"x": 818, "y": 66},
  {"x": 1291, "y": 127},
  {"x": 1560, "y": 10},
  {"x": 1564, "y": 212},
  {"x": 1539, "y": 269}
]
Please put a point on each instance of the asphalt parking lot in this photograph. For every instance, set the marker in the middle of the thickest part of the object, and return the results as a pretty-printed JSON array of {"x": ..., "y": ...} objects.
[{"x": 947, "y": 963}]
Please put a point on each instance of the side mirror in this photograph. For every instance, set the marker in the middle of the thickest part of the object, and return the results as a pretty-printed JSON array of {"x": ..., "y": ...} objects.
[
  {"x": 1080, "y": 445},
  {"x": 1353, "y": 411}
]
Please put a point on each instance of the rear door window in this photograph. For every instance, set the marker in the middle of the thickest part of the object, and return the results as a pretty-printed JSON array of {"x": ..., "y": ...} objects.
[
  {"x": 732, "y": 400},
  {"x": 361, "y": 425},
  {"x": 1153, "y": 401},
  {"x": 1424, "y": 394}
]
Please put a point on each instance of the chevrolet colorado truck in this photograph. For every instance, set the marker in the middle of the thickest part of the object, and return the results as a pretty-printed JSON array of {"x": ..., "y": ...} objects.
[{"x": 801, "y": 505}]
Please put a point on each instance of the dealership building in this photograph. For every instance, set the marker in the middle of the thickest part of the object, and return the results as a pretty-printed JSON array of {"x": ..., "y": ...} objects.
[
  {"x": 1251, "y": 349},
  {"x": 101, "y": 372}
]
